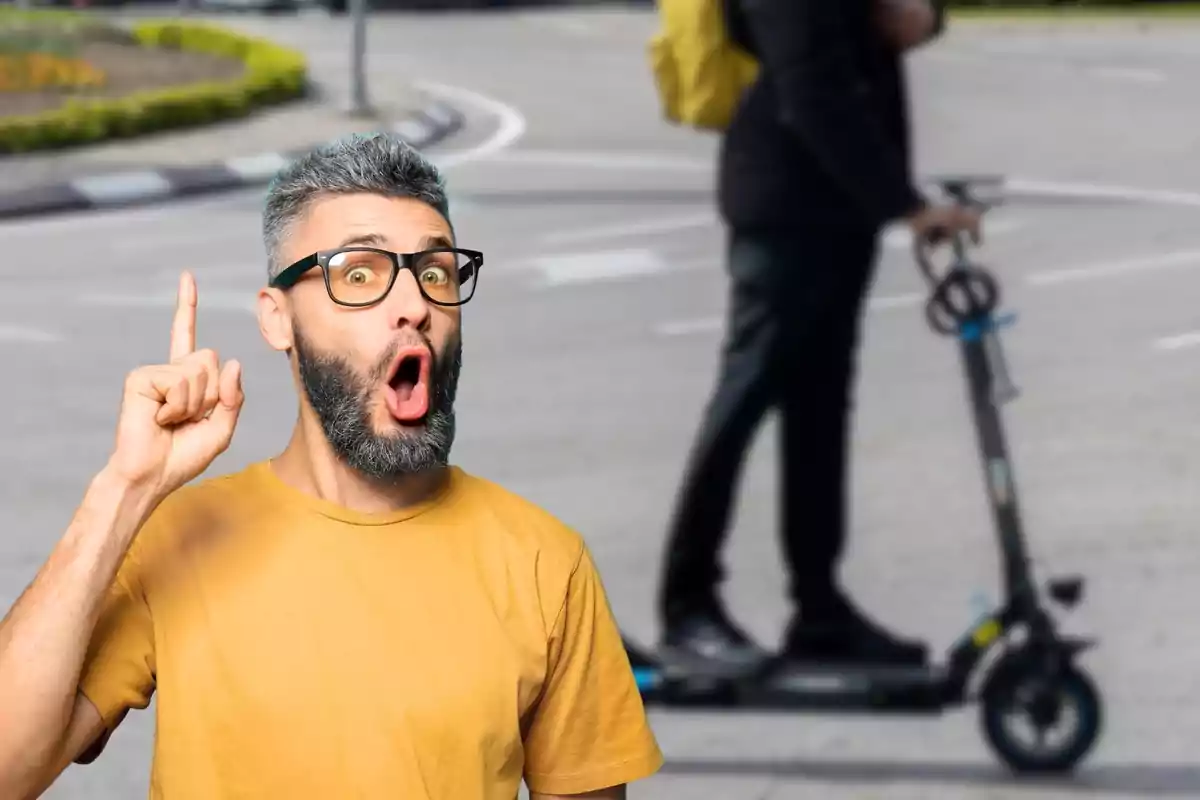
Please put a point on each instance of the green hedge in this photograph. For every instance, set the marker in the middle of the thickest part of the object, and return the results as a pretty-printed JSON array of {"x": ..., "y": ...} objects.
[{"x": 272, "y": 74}]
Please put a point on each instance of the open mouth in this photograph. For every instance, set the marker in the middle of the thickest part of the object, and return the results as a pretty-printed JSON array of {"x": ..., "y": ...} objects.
[{"x": 407, "y": 394}]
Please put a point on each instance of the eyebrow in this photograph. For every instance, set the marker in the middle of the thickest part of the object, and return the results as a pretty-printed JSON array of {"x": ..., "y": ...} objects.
[
  {"x": 437, "y": 240},
  {"x": 364, "y": 239},
  {"x": 379, "y": 240}
]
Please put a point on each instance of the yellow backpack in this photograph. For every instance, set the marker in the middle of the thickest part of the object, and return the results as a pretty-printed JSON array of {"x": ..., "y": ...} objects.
[{"x": 699, "y": 71}]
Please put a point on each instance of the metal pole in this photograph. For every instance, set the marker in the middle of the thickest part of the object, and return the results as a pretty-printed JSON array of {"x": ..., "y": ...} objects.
[{"x": 359, "y": 104}]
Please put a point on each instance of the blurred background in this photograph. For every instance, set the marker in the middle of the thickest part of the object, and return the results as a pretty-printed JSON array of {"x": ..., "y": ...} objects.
[{"x": 592, "y": 342}]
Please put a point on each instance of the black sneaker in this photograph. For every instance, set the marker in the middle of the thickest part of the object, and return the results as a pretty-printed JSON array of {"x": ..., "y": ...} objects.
[
  {"x": 705, "y": 643},
  {"x": 844, "y": 636}
]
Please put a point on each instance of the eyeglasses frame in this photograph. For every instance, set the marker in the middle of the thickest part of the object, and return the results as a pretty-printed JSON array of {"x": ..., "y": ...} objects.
[{"x": 290, "y": 275}]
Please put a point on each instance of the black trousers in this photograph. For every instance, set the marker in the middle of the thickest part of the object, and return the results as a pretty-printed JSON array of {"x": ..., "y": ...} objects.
[{"x": 790, "y": 343}]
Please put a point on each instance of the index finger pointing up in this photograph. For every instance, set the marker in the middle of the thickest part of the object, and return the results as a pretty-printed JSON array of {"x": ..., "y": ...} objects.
[{"x": 183, "y": 329}]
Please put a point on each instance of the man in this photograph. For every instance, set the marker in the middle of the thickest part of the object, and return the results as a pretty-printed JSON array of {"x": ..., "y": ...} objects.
[
  {"x": 354, "y": 617},
  {"x": 814, "y": 164}
]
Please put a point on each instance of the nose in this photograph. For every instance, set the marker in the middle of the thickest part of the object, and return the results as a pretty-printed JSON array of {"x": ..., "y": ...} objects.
[{"x": 405, "y": 305}]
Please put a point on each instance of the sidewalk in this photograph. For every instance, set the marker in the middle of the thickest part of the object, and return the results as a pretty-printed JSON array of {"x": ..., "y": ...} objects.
[{"x": 223, "y": 156}]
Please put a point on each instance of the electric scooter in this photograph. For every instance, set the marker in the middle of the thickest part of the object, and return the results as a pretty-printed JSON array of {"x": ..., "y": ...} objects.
[{"x": 1013, "y": 660}]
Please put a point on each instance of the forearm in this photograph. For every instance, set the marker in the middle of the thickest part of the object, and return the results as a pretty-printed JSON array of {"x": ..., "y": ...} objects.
[{"x": 45, "y": 636}]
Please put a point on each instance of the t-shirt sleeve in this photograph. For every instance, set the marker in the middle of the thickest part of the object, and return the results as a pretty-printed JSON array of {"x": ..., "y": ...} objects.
[
  {"x": 118, "y": 670},
  {"x": 589, "y": 730}
]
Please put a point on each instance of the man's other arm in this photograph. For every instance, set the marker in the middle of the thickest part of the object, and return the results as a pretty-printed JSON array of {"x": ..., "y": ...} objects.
[
  {"x": 46, "y": 724},
  {"x": 824, "y": 98}
]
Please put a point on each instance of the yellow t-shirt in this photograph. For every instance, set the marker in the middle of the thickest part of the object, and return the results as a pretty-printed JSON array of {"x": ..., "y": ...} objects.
[{"x": 301, "y": 650}]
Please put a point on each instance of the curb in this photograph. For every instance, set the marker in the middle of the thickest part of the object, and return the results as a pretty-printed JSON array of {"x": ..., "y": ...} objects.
[{"x": 421, "y": 129}]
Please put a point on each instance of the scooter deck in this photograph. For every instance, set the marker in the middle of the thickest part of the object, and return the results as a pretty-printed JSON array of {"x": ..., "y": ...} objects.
[{"x": 875, "y": 690}]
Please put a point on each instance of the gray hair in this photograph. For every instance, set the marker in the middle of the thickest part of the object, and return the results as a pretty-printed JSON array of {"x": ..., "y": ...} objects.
[{"x": 379, "y": 163}]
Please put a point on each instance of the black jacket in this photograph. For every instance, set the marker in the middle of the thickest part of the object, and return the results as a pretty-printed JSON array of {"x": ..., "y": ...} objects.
[{"x": 823, "y": 135}]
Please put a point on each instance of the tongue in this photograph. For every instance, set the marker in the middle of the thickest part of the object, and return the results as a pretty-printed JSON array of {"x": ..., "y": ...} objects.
[{"x": 408, "y": 402}]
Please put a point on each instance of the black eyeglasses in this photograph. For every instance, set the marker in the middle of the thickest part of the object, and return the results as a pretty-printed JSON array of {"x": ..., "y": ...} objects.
[{"x": 362, "y": 276}]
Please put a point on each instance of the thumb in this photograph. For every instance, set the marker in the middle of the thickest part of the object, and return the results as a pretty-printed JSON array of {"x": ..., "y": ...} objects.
[{"x": 230, "y": 397}]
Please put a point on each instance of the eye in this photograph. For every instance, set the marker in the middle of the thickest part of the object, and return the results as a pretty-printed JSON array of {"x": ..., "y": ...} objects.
[
  {"x": 434, "y": 276},
  {"x": 358, "y": 276}
]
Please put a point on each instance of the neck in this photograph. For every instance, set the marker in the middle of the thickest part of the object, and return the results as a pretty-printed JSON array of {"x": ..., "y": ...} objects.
[{"x": 309, "y": 464}]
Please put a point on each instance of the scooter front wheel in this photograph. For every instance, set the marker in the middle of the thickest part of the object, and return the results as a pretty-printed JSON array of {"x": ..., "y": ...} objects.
[{"x": 1045, "y": 701}]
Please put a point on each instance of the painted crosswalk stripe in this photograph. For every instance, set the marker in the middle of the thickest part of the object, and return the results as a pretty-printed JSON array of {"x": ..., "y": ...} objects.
[{"x": 600, "y": 265}]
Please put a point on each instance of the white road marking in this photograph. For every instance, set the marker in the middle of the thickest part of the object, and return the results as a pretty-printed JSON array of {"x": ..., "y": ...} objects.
[
  {"x": 688, "y": 327},
  {"x": 1178, "y": 342},
  {"x": 1092, "y": 191},
  {"x": 703, "y": 325},
  {"x": 1131, "y": 266},
  {"x": 1160, "y": 261},
  {"x": 18, "y": 334},
  {"x": 410, "y": 129},
  {"x": 895, "y": 301},
  {"x": 896, "y": 237},
  {"x": 607, "y": 265},
  {"x": 605, "y": 160},
  {"x": 122, "y": 186},
  {"x": 511, "y": 128},
  {"x": 601, "y": 265},
  {"x": 257, "y": 167},
  {"x": 620, "y": 230}
]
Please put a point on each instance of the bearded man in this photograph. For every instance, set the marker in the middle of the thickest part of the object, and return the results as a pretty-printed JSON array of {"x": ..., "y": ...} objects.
[{"x": 354, "y": 617}]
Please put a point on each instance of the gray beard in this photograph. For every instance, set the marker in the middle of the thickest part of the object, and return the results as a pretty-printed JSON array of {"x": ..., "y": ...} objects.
[{"x": 342, "y": 401}]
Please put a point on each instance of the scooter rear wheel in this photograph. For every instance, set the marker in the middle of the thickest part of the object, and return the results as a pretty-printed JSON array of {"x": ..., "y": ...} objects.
[{"x": 1044, "y": 700}]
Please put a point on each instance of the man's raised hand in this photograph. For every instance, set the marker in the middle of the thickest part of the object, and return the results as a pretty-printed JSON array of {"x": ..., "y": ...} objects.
[{"x": 177, "y": 417}]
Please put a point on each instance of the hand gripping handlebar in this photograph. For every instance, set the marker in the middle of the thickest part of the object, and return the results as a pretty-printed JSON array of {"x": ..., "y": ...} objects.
[
  {"x": 963, "y": 293},
  {"x": 964, "y": 296}
]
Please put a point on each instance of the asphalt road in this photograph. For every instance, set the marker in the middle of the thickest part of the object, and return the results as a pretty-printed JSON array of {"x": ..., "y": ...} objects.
[{"x": 592, "y": 343}]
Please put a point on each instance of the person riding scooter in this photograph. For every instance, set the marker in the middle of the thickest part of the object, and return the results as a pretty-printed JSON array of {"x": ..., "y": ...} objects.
[{"x": 814, "y": 164}]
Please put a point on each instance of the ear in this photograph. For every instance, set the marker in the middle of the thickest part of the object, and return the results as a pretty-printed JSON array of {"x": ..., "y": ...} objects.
[{"x": 275, "y": 319}]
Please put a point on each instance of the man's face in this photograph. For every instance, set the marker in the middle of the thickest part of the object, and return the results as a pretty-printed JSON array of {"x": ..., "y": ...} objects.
[{"x": 381, "y": 379}]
